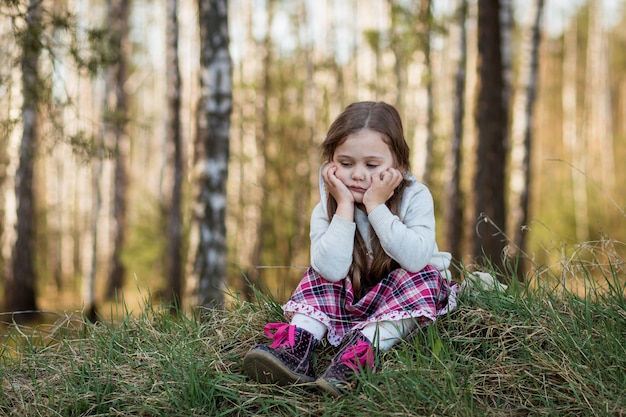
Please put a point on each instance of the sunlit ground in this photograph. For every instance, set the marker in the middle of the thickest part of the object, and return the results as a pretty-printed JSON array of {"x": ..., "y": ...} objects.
[{"x": 57, "y": 309}]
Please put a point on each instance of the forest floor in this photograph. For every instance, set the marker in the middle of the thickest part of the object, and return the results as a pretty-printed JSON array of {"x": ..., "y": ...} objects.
[{"x": 530, "y": 350}]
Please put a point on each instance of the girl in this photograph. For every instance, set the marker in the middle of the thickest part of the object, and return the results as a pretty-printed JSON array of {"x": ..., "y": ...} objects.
[{"x": 376, "y": 273}]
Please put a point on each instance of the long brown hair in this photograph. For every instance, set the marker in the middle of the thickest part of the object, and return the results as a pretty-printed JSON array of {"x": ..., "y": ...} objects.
[{"x": 384, "y": 119}]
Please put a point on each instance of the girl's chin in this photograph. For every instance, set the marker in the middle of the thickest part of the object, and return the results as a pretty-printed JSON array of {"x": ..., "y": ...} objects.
[{"x": 358, "y": 197}]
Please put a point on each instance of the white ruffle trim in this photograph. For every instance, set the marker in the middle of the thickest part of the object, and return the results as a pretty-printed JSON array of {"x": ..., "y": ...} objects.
[{"x": 335, "y": 339}]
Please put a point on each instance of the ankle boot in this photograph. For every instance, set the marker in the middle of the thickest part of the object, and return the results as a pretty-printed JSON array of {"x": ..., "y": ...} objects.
[
  {"x": 356, "y": 355},
  {"x": 286, "y": 361}
]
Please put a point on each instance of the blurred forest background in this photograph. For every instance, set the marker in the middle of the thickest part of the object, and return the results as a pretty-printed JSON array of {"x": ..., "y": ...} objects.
[{"x": 171, "y": 149}]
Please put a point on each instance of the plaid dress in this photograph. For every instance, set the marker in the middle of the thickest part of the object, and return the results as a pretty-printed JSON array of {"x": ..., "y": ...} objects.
[{"x": 422, "y": 296}]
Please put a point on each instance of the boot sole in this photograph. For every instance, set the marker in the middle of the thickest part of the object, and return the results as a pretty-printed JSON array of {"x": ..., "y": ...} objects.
[
  {"x": 265, "y": 368},
  {"x": 328, "y": 387}
]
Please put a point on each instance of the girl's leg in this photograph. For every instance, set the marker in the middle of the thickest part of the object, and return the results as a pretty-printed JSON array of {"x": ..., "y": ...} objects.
[
  {"x": 385, "y": 334},
  {"x": 391, "y": 310},
  {"x": 315, "y": 327},
  {"x": 322, "y": 302},
  {"x": 358, "y": 353},
  {"x": 288, "y": 359}
]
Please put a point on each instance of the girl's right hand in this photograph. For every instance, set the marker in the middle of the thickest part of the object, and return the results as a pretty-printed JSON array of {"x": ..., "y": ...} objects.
[{"x": 335, "y": 187}]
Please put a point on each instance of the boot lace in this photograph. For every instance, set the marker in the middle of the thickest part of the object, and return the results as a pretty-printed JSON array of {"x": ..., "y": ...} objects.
[
  {"x": 283, "y": 334},
  {"x": 358, "y": 356}
]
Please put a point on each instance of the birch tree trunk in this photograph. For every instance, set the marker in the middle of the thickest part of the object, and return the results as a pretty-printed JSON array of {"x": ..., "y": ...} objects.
[
  {"x": 491, "y": 122},
  {"x": 174, "y": 260},
  {"x": 21, "y": 292},
  {"x": 521, "y": 133},
  {"x": 119, "y": 14},
  {"x": 453, "y": 210},
  {"x": 212, "y": 149}
]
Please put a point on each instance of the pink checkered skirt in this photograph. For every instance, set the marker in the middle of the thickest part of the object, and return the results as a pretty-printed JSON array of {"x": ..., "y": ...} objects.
[{"x": 423, "y": 296}]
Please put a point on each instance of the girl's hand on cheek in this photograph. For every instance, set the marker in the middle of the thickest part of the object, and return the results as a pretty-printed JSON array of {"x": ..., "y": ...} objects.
[
  {"x": 335, "y": 187},
  {"x": 382, "y": 188}
]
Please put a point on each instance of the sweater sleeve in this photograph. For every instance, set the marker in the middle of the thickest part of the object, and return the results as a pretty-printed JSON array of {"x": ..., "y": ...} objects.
[
  {"x": 331, "y": 244},
  {"x": 410, "y": 241}
]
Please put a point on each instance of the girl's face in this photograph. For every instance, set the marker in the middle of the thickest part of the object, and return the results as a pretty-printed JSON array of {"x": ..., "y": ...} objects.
[{"x": 362, "y": 155}]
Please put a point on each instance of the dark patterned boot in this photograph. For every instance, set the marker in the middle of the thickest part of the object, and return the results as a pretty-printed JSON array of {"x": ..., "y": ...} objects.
[
  {"x": 356, "y": 355},
  {"x": 286, "y": 361}
]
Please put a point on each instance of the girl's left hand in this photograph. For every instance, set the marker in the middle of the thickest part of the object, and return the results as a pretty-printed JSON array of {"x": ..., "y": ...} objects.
[{"x": 381, "y": 188}]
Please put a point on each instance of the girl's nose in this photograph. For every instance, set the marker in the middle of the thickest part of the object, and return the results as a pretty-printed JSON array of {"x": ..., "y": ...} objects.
[{"x": 358, "y": 174}]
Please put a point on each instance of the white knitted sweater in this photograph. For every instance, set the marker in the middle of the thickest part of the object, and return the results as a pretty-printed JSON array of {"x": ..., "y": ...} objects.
[{"x": 409, "y": 238}]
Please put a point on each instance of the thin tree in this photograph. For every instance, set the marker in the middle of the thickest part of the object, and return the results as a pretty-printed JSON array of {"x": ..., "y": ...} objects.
[
  {"x": 596, "y": 128},
  {"x": 21, "y": 293},
  {"x": 426, "y": 17},
  {"x": 521, "y": 134},
  {"x": 174, "y": 260},
  {"x": 572, "y": 139},
  {"x": 212, "y": 151},
  {"x": 248, "y": 161},
  {"x": 410, "y": 31},
  {"x": 491, "y": 122},
  {"x": 506, "y": 50},
  {"x": 89, "y": 279},
  {"x": 118, "y": 102},
  {"x": 264, "y": 56},
  {"x": 453, "y": 211},
  {"x": 4, "y": 160}
]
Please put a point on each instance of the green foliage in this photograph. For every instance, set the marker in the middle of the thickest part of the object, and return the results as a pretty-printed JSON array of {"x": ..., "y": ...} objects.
[
  {"x": 143, "y": 252},
  {"x": 96, "y": 50},
  {"x": 529, "y": 351},
  {"x": 85, "y": 147},
  {"x": 286, "y": 184},
  {"x": 374, "y": 39},
  {"x": 51, "y": 38}
]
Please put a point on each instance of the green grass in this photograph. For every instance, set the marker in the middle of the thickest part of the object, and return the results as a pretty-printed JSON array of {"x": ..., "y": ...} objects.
[{"x": 530, "y": 351}]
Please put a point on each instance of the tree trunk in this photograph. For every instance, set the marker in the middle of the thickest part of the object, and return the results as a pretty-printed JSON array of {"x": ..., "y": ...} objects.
[
  {"x": 574, "y": 142},
  {"x": 401, "y": 53},
  {"x": 596, "y": 128},
  {"x": 506, "y": 50},
  {"x": 21, "y": 292},
  {"x": 89, "y": 280},
  {"x": 521, "y": 135},
  {"x": 174, "y": 261},
  {"x": 426, "y": 17},
  {"x": 491, "y": 122},
  {"x": 119, "y": 10},
  {"x": 264, "y": 51},
  {"x": 5, "y": 144},
  {"x": 250, "y": 164},
  {"x": 454, "y": 219},
  {"x": 212, "y": 148}
]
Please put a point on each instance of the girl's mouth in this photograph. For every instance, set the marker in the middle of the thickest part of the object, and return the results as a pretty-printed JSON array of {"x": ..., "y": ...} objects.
[{"x": 358, "y": 189}]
